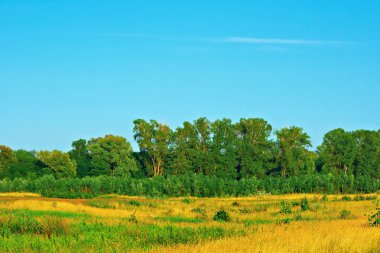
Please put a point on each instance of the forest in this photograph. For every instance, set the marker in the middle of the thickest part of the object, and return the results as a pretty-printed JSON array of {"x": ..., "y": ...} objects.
[{"x": 200, "y": 158}]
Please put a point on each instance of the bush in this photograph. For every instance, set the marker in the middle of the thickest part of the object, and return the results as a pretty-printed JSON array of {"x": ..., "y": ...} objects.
[
  {"x": 374, "y": 219},
  {"x": 134, "y": 203},
  {"x": 285, "y": 207},
  {"x": 305, "y": 204},
  {"x": 245, "y": 210},
  {"x": 235, "y": 204},
  {"x": 325, "y": 198},
  {"x": 221, "y": 215},
  {"x": 54, "y": 226},
  {"x": 346, "y": 198},
  {"x": 345, "y": 214}
]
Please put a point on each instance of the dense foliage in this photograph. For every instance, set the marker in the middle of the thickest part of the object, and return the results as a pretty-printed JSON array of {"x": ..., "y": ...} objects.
[{"x": 200, "y": 158}]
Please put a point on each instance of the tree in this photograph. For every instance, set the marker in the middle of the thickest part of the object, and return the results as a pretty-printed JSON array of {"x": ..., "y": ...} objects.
[
  {"x": 223, "y": 149},
  {"x": 25, "y": 164},
  {"x": 111, "y": 155},
  {"x": 154, "y": 139},
  {"x": 183, "y": 153},
  {"x": 292, "y": 154},
  {"x": 367, "y": 153},
  {"x": 255, "y": 148},
  {"x": 7, "y": 157},
  {"x": 338, "y": 151},
  {"x": 81, "y": 155},
  {"x": 202, "y": 145},
  {"x": 58, "y": 162}
]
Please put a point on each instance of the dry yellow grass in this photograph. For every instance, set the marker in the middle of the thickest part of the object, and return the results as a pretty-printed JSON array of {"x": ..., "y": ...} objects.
[
  {"x": 318, "y": 230},
  {"x": 322, "y": 236}
]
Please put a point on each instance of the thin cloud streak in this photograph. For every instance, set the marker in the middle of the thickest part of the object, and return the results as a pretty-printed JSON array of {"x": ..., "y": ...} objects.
[
  {"x": 232, "y": 40},
  {"x": 250, "y": 40}
]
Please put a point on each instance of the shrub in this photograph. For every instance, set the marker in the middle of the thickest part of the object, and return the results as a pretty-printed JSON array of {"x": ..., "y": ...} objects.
[
  {"x": 374, "y": 219},
  {"x": 359, "y": 198},
  {"x": 345, "y": 214},
  {"x": 286, "y": 220},
  {"x": 305, "y": 204},
  {"x": 285, "y": 207},
  {"x": 245, "y": 210},
  {"x": 261, "y": 208},
  {"x": 346, "y": 198},
  {"x": 221, "y": 215},
  {"x": 134, "y": 203},
  {"x": 54, "y": 226},
  {"x": 235, "y": 204},
  {"x": 325, "y": 198},
  {"x": 374, "y": 197},
  {"x": 198, "y": 210},
  {"x": 186, "y": 200}
]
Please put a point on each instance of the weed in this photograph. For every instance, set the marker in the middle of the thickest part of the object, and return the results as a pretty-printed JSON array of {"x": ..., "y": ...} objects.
[
  {"x": 285, "y": 207},
  {"x": 304, "y": 204},
  {"x": 345, "y": 214},
  {"x": 221, "y": 215}
]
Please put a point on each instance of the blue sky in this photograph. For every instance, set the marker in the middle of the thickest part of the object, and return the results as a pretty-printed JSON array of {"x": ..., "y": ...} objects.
[{"x": 82, "y": 69}]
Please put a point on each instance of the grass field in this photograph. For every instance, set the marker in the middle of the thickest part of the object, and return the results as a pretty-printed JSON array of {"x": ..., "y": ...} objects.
[{"x": 281, "y": 223}]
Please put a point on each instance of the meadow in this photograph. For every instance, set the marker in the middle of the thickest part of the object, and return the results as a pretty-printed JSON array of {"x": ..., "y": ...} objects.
[{"x": 117, "y": 223}]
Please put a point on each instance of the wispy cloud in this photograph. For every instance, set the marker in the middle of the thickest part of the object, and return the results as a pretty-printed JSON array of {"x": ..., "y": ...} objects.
[
  {"x": 232, "y": 40},
  {"x": 251, "y": 40}
]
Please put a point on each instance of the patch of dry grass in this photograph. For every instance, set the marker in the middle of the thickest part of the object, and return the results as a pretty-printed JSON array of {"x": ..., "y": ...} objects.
[{"x": 319, "y": 230}]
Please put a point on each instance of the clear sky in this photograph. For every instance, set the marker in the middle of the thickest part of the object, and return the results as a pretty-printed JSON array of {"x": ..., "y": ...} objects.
[{"x": 82, "y": 69}]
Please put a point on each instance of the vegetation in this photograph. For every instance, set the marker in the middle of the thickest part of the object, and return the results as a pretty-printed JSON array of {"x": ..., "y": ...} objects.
[
  {"x": 200, "y": 158},
  {"x": 29, "y": 223}
]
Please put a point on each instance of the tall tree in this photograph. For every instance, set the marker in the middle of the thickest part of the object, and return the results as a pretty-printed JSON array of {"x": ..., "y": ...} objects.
[
  {"x": 184, "y": 149},
  {"x": 81, "y": 155},
  {"x": 26, "y": 164},
  {"x": 203, "y": 142},
  {"x": 223, "y": 150},
  {"x": 58, "y": 162},
  {"x": 111, "y": 155},
  {"x": 293, "y": 157},
  {"x": 338, "y": 151},
  {"x": 255, "y": 147},
  {"x": 367, "y": 153},
  {"x": 7, "y": 157},
  {"x": 154, "y": 139}
]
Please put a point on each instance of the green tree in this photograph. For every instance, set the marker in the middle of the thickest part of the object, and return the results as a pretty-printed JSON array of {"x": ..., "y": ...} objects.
[
  {"x": 223, "y": 150},
  {"x": 338, "y": 151},
  {"x": 255, "y": 148},
  {"x": 367, "y": 153},
  {"x": 81, "y": 155},
  {"x": 293, "y": 157},
  {"x": 58, "y": 162},
  {"x": 202, "y": 145},
  {"x": 111, "y": 155},
  {"x": 26, "y": 164},
  {"x": 7, "y": 157},
  {"x": 184, "y": 149},
  {"x": 154, "y": 139}
]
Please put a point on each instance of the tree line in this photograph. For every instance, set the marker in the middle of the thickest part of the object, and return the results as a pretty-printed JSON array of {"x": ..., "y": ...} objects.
[{"x": 244, "y": 150}]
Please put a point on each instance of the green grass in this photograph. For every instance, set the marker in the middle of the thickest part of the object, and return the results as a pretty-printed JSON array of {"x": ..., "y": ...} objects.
[
  {"x": 23, "y": 233},
  {"x": 39, "y": 213},
  {"x": 180, "y": 219}
]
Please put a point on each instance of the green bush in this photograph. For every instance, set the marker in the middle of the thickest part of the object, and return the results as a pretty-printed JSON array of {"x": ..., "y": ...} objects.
[
  {"x": 134, "y": 203},
  {"x": 304, "y": 204},
  {"x": 345, "y": 214},
  {"x": 325, "y": 198},
  {"x": 346, "y": 198},
  {"x": 235, "y": 203},
  {"x": 285, "y": 207},
  {"x": 221, "y": 215},
  {"x": 374, "y": 219}
]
